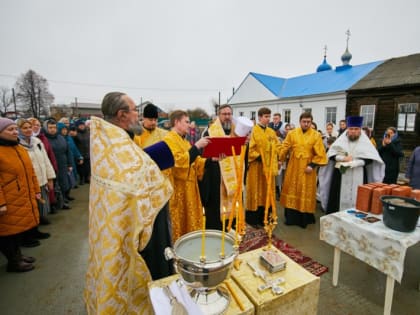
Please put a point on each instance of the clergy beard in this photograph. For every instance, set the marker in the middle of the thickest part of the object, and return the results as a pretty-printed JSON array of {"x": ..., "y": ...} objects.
[
  {"x": 136, "y": 128},
  {"x": 227, "y": 125},
  {"x": 353, "y": 138}
]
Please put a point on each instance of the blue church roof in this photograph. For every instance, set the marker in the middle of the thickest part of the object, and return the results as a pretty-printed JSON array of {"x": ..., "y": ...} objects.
[
  {"x": 274, "y": 84},
  {"x": 330, "y": 81}
]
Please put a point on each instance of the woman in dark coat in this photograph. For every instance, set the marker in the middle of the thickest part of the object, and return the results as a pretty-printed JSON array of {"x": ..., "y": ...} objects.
[
  {"x": 19, "y": 191},
  {"x": 390, "y": 151},
  {"x": 63, "y": 156}
]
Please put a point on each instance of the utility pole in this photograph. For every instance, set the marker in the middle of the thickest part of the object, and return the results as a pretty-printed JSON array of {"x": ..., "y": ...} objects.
[
  {"x": 14, "y": 101},
  {"x": 75, "y": 107}
]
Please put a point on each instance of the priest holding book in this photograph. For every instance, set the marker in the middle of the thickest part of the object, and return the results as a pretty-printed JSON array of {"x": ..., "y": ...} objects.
[{"x": 219, "y": 183}]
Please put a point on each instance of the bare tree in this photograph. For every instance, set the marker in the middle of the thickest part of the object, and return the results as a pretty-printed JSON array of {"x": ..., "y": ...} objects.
[
  {"x": 33, "y": 94},
  {"x": 5, "y": 100}
]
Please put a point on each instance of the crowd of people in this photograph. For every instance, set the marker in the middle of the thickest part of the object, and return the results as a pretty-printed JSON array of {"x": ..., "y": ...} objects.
[
  {"x": 37, "y": 173},
  {"x": 149, "y": 186}
]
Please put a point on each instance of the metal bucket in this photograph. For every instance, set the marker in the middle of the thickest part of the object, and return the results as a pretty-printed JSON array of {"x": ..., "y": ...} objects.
[{"x": 400, "y": 213}]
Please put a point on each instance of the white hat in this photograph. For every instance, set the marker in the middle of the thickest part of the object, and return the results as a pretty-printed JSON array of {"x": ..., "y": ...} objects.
[{"x": 243, "y": 126}]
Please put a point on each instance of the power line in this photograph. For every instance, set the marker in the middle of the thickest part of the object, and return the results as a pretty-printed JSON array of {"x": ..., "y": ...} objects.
[{"x": 121, "y": 87}]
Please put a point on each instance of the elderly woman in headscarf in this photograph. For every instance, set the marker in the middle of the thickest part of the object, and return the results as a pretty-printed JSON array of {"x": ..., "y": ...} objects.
[
  {"x": 19, "y": 190},
  {"x": 43, "y": 168},
  {"x": 37, "y": 132}
]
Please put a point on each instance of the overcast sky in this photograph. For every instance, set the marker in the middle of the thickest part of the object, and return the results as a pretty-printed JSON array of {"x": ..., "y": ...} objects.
[{"x": 180, "y": 53}]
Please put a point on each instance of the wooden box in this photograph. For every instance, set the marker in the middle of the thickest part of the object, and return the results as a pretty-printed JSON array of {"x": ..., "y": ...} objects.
[
  {"x": 301, "y": 288},
  {"x": 233, "y": 309}
]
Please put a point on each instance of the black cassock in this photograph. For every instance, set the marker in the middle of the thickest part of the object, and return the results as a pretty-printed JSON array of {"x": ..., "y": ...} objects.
[{"x": 153, "y": 253}]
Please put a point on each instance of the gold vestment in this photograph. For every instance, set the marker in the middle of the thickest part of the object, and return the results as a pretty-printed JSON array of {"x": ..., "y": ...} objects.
[
  {"x": 261, "y": 144},
  {"x": 299, "y": 189},
  {"x": 185, "y": 204},
  {"x": 127, "y": 191}
]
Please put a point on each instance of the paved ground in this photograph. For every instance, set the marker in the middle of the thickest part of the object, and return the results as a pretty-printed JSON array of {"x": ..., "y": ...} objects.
[{"x": 55, "y": 287}]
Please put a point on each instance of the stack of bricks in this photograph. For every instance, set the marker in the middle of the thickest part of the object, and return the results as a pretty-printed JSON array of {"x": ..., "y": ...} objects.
[
  {"x": 368, "y": 195},
  {"x": 415, "y": 194}
]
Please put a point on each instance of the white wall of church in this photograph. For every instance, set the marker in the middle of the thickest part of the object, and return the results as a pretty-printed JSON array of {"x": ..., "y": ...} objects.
[
  {"x": 251, "y": 90},
  {"x": 317, "y": 104}
]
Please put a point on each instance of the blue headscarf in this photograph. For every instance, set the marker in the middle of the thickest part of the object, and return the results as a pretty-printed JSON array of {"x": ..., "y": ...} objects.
[{"x": 60, "y": 126}]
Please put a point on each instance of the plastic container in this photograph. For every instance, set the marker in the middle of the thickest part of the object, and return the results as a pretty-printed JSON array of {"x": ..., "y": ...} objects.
[{"x": 399, "y": 217}]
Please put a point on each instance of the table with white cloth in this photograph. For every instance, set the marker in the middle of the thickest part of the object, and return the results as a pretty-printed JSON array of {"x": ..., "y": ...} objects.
[{"x": 373, "y": 243}]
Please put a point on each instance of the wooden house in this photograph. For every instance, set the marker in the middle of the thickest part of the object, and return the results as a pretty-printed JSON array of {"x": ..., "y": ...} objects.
[{"x": 388, "y": 96}]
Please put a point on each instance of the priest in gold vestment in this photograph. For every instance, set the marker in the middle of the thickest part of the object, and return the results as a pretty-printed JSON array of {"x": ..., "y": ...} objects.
[
  {"x": 185, "y": 204},
  {"x": 264, "y": 146},
  {"x": 127, "y": 191},
  {"x": 219, "y": 183},
  {"x": 306, "y": 153}
]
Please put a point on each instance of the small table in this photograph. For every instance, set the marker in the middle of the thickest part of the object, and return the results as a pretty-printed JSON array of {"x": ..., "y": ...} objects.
[
  {"x": 301, "y": 288},
  {"x": 372, "y": 243}
]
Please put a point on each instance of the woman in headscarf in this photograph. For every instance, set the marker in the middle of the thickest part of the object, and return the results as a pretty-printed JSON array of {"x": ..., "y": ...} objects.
[
  {"x": 19, "y": 190},
  {"x": 37, "y": 132},
  {"x": 43, "y": 168},
  {"x": 390, "y": 151},
  {"x": 63, "y": 156},
  {"x": 63, "y": 130}
]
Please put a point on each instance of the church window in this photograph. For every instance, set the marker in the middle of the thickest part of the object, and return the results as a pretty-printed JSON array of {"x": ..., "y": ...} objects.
[
  {"x": 368, "y": 114},
  {"x": 286, "y": 115},
  {"x": 331, "y": 115},
  {"x": 407, "y": 116}
]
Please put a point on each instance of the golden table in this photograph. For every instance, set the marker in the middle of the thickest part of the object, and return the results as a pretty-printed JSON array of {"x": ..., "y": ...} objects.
[
  {"x": 301, "y": 288},
  {"x": 233, "y": 309}
]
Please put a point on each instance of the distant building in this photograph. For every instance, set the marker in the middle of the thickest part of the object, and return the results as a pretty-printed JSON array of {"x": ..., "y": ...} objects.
[
  {"x": 80, "y": 109},
  {"x": 322, "y": 93}
]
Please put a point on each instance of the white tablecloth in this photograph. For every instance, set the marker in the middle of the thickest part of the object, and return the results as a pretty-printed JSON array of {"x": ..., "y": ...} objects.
[{"x": 373, "y": 243}]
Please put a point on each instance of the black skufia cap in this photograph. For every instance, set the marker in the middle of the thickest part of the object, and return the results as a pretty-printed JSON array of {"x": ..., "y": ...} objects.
[{"x": 150, "y": 111}]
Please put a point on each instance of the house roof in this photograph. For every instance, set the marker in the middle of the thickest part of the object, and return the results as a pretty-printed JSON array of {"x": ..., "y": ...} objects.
[
  {"x": 401, "y": 71},
  {"x": 339, "y": 79},
  {"x": 86, "y": 105}
]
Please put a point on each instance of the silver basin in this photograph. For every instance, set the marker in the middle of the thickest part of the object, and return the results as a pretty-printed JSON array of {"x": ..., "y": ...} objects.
[{"x": 206, "y": 274}]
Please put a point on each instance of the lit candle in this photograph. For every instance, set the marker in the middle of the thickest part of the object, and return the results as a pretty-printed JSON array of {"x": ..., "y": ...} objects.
[
  {"x": 203, "y": 237},
  {"x": 236, "y": 227},
  {"x": 222, "y": 254}
]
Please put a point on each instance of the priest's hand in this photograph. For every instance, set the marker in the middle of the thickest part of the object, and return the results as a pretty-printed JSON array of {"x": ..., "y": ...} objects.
[
  {"x": 219, "y": 158},
  {"x": 348, "y": 158},
  {"x": 356, "y": 163},
  {"x": 202, "y": 143},
  {"x": 308, "y": 170}
]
